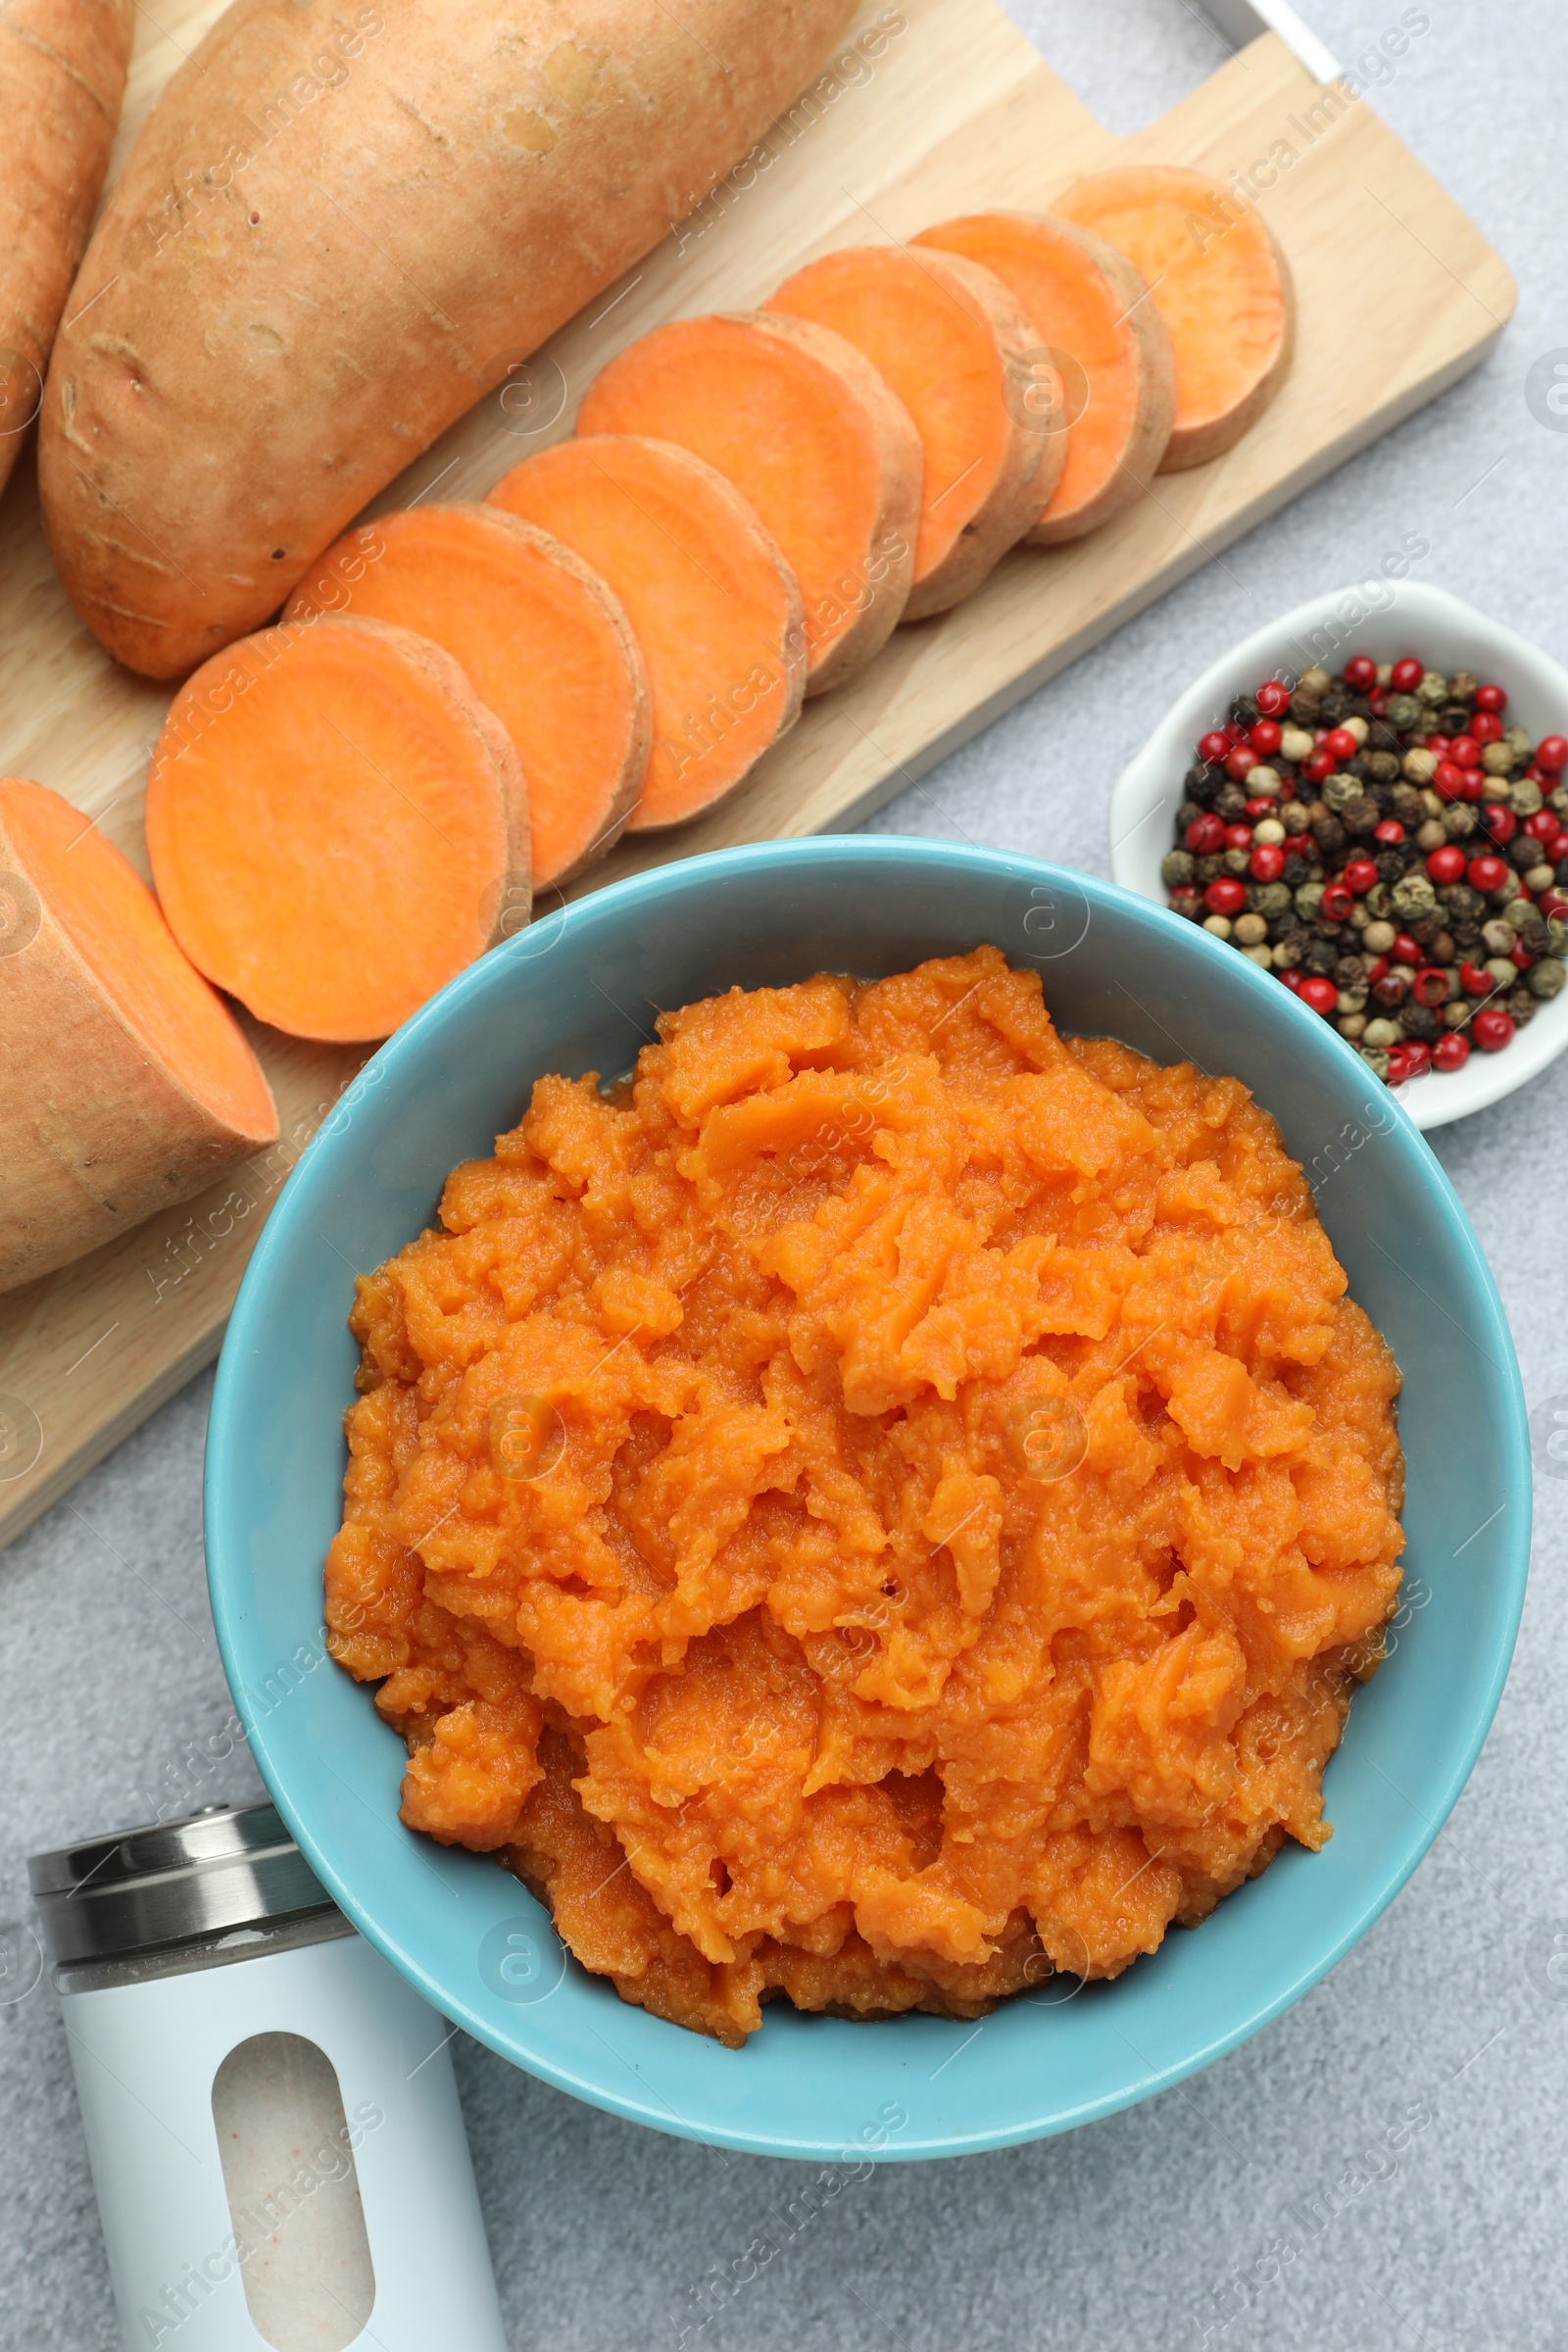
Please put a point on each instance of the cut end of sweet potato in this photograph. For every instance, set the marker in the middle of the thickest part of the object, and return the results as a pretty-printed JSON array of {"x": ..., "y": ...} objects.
[
  {"x": 710, "y": 601},
  {"x": 1221, "y": 284},
  {"x": 337, "y": 826},
  {"x": 810, "y": 435},
  {"x": 1092, "y": 312},
  {"x": 956, "y": 346},
  {"x": 544, "y": 642},
  {"x": 126, "y": 1083}
]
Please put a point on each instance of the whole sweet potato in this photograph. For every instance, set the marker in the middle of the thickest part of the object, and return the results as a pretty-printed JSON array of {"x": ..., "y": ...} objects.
[
  {"x": 62, "y": 77},
  {"x": 337, "y": 228}
]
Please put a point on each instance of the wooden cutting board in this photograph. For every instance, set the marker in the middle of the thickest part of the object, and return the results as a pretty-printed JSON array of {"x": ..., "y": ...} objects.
[{"x": 935, "y": 107}]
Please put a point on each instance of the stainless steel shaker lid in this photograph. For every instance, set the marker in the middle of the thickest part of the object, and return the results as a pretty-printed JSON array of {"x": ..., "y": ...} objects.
[{"x": 170, "y": 1882}]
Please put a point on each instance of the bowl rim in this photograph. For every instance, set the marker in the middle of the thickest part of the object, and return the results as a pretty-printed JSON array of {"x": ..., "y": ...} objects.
[
  {"x": 1151, "y": 784},
  {"x": 292, "y": 1210}
]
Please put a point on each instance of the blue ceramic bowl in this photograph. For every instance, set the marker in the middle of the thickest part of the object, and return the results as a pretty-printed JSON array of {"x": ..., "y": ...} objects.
[{"x": 576, "y": 993}]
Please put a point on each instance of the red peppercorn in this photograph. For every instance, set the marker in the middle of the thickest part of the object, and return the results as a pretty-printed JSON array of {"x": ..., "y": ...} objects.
[
  {"x": 1491, "y": 1029},
  {"x": 1405, "y": 950},
  {"x": 1363, "y": 875},
  {"x": 1474, "y": 980},
  {"x": 1273, "y": 699},
  {"x": 1342, "y": 743},
  {"x": 1486, "y": 874},
  {"x": 1449, "y": 780},
  {"x": 1240, "y": 761},
  {"x": 1521, "y": 955},
  {"x": 1361, "y": 673},
  {"x": 1407, "y": 674},
  {"x": 1321, "y": 995},
  {"x": 1475, "y": 785},
  {"x": 1437, "y": 743},
  {"x": 1450, "y": 1052},
  {"x": 1416, "y": 1058},
  {"x": 1551, "y": 754},
  {"x": 1260, "y": 806},
  {"x": 1337, "y": 901},
  {"x": 1490, "y": 698},
  {"x": 1430, "y": 985},
  {"x": 1501, "y": 822},
  {"x": 1487, "y": 727},
  {"x": 1444, "y": 865},
  {"x": 1317, "y": 766},
  {"x": 1206, "y": 836},
  {"x": 1224, "y": 896},
  {"x": 1237, "y": 837},
  {"x": 1290, "y": 978},
  {"x": 1214, "y": 746},
  {"x": 1267, "y": 861},
  {"x": 1388, "y": 831},
  {"x": 1376, "y": 970},
  {"x": 1553, "y": 905},
  {"x": 1545, "y": 825},
  {"x": 1465, "y": 750},
  {"x": 1265, "y": 737}
]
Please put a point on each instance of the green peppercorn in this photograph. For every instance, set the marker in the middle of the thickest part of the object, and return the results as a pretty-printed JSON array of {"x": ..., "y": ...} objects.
[
  {"x": 1459, "y": 820},
  {"x": 1177, "y": 867},
  {"x": 1377, "y": 1062},
  {"x": 1403, "y": 713},
  {"x": 1546, "y": 979},
  {"x": 1524, "y": 796},
  {"x": 1433, "y": 689}
]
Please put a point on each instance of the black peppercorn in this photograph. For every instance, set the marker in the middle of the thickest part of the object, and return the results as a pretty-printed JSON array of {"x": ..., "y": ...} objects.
[
  {"x": 1319, "y": 956},
  {"x": 1390, "y": 864},
  {"x": 1350, "y": 972},
  {"x": 1204, "y": 781},
  {"x": 1425, "y": 928},
  {"x": 1298, "y": 870},
  {"x": 1384, "y": 766},
  {"x": 1245, "y": 713},
  {"x": 1381, "y": 737},
  {"x": 1406, "y": 803},
  {"x": 1523, "y": 852},
  {"x": 1443, "y": 947},
  {"x": 1453, "y": 719},
  {"x": 1421, "y": 1022},
  {"x": 1187, "y": 815},
  {"x": 1465, "y": 906},
  {"x": 1305, "y": 708},
  {"x": 1360, "y": 815},
  {"x": 1286, "y": 926},
  {"x": 1333, "y": 706},
  {"x": 1230, "y": 803},
  {"x": 1210, "y": 870}
]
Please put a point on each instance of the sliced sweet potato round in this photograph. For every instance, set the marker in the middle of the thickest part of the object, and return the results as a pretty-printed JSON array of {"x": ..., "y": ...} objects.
[
  {"x": 810, "y": 434},
  {"x": 126, "y": 1083},
  {"x": 955, "y": 345},
  {"x": 337, "y": 824},
  {"x": 1091, "y": 308},
  {"x": 1220, "y": 282},
  {"x": 543, "y": 639},
  {"x": 709, "y": 598}
]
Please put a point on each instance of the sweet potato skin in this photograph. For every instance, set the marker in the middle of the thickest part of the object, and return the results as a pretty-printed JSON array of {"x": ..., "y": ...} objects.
[
  {"x": 62, "y": 79},
  {"x": 338, "y": 226}
]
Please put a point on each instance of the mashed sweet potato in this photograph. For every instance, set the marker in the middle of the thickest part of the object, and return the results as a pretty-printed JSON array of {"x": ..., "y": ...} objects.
[{"x": 886, "y": 1503}]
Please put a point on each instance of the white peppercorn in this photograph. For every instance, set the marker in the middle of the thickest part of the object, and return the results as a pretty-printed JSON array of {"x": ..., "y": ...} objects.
[
  {"x": 1539, "y": 878},
  {"x": 1500, "y": 937},
  {"x": 1269, "y": 829},
  {"x": 1420, "y": 764},
  {"x": 1218, "y": 924},
  {"x": 1501, "y": 971},
  {"x": 1430, "y": 835},
  {"x": 1378, "y": 938},
  {"x": 1382, "y": 1033},
  {"x": 1249, "y": 929},
  {"x": 1293, "y": 817},
  {"x": 1353, "y": 1025},
  {"x": 1314, "y": 682},
  {"x": 1297, "y": 743},
  {"x": 1262, "y": 782},
  {"x": 1496, "y": 758},
  {"x": 1261, "y": 953}
]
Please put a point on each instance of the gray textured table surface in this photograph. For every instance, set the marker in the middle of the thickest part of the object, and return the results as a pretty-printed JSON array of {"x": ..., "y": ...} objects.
[{"x": 1118, "y": 2235}]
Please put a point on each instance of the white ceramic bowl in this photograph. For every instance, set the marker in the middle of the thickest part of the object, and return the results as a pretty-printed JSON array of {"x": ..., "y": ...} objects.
[{"x": 1384, "y": 618}]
